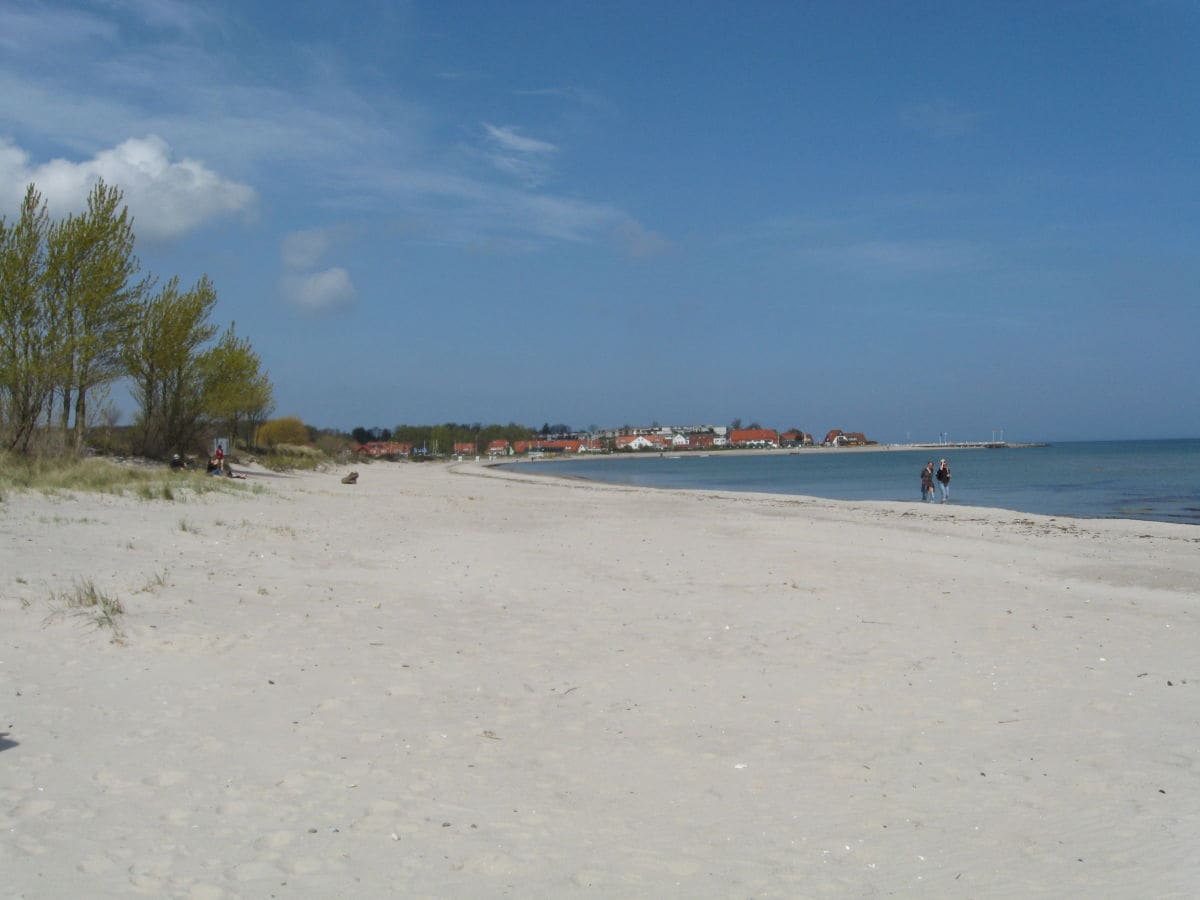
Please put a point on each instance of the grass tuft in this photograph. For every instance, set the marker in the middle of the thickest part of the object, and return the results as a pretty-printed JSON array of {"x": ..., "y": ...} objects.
[
  {"x": 156, "y": 581},
  {"x": 87, "y": 600}
]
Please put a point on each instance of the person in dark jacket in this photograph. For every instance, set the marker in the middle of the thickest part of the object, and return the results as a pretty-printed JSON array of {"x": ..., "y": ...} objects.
[
  {"x": 927, "y": 482},
  {"x": 943, "y": 480}
]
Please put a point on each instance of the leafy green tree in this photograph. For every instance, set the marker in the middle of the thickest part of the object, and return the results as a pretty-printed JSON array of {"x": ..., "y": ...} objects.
[
  {"x": 286, "y": 430},
  {"x": 165, "y": 359},
  {"x": 26, "y": 340},
  {"x": 92, "y": 298},
  {"x": 238, "y": 395}
]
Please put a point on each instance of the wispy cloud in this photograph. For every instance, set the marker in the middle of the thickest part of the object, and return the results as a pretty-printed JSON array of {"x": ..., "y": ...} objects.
[
  {"x": 524, "y": 158},
  {"x": 305, "y": 249},
  {"x": 507, "y": 138},
  {"x": 262, "y": 119},
  {"x": 638, "y": 241},
  {"x": 316, "y": 292},
  {"x": 939, "y": 118},
  {"x": 916, "y": 256},
  {"x": 34, "y": 29},
  {"x": 319, "y": 292},
  {"x": 168, "y": 197},
  {"x": 170, "y": 14}
]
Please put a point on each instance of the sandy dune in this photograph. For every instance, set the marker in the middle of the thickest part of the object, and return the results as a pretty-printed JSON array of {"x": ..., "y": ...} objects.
[{"x": 449, "y": 682}]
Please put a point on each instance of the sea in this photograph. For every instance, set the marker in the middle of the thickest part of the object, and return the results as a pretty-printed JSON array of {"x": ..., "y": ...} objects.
[{"x": 1155, "y": 480}]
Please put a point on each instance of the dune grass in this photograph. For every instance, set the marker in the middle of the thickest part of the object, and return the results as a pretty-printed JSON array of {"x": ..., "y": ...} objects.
[
  {"x": 293, "y": 457},
  {"x": 53, "y": 475},
  {"x": 85, "y": 599}
]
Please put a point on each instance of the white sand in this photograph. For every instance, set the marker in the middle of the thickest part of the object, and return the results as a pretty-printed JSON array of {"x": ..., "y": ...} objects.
[{"x": 456, "y": 684}]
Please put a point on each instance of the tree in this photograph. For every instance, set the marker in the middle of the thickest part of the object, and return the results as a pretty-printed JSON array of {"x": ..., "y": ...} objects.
[
  {"x": 164, "y": 358},
  {"x": 237, "y": 392},
  {"x": 92, "y": 298},
  {"x": 26, "y": 341},
  {"x": 287, "y": 430}
]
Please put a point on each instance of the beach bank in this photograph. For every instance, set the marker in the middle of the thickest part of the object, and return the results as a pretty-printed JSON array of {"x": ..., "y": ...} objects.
[{"x": 456, "y": 681}]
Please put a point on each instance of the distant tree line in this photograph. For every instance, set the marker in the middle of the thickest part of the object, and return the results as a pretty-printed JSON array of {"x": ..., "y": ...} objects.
[
  {"x": 76, "y": 316},
  {"x": 442, "y": 438}
]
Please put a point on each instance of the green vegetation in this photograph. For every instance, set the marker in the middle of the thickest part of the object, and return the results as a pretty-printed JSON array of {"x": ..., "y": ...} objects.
[
  {"x": 86, "y": 600},
  {"x": 288, "y": 430},
  {"x": 52, "y": 475},
  {"x": 77, "y": 316},
  {"x": 293, "y": 457},
  {"x": 442, "y": 438}
]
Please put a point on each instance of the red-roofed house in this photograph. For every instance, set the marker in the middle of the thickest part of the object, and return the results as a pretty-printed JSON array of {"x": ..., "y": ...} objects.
[
  {"x": 635, "y": 442},
  {"x": 796, "y": 439},
  {"x": 839, "y": 438},
  {"x": 754, "y": 437}
]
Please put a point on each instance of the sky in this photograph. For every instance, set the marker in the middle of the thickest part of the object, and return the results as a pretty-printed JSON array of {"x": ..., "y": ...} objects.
[{"x": 913, "y": 220}]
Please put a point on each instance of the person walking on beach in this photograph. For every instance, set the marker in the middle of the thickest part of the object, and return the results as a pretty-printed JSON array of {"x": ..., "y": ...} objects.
[
  {"x": 927, "y": 482},
  {"x": 943, "y": 480}
]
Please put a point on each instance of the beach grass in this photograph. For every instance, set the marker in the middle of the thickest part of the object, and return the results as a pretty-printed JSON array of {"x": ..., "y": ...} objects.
[
  {"x": 148, "y": 481},
  {"x": 87, "y": 600},
  {"x": 294, "y": 457}
]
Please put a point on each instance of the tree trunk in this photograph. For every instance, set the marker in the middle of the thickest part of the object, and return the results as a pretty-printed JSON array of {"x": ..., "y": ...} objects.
[
  {"x": 80, "y": 418},
  {"x": 65, "y": 419}
]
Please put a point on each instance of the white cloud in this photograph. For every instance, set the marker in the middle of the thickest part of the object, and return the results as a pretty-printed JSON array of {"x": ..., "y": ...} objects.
[
  {"x": 166, "y": 197},
  {"x": 304, "y": 249},
  {"x": 319, "y": 292},
  {"x": 524, "y": 158},
  {"x": 507, "y": 137}
]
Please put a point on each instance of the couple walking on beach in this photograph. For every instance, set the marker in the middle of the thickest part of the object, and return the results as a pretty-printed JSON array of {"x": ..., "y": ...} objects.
[{"x": 929, "y": 476}]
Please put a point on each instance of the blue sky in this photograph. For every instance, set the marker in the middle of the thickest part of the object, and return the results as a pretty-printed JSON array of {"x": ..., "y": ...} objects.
[{"x": 899, "y": 218}]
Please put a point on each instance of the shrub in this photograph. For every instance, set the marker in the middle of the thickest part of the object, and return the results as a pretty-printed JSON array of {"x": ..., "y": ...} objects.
[{"x": 288, "y": 430}]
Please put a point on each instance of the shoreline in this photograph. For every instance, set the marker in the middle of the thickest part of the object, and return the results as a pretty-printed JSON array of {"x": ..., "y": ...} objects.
[
  {"x": 994, "y": 495},
  {"x": 456, "y": 680}
]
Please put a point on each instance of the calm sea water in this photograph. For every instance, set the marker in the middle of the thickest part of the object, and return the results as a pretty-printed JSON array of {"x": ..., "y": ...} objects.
[{"x": 1154, "y": 480}]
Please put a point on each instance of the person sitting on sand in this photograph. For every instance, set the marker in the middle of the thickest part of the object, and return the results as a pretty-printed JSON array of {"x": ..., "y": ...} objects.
[{"x": 943, "y": 480}]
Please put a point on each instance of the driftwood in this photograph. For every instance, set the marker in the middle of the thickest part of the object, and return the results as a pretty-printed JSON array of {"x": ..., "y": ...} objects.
[{"x": 352, "y": 478}]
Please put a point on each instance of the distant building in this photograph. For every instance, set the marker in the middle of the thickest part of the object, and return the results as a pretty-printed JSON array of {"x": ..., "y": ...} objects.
[
  {"x": 838, "y": 438},
  {"x": 795, "y": 439},
  {"x": 640, "y": 442},
  {"x": 754, "y": 437},
  {"x": 377, "y": 449}
]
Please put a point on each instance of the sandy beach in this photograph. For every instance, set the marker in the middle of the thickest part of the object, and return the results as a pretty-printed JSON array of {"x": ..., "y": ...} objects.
[{"x": 449, "y": 681}]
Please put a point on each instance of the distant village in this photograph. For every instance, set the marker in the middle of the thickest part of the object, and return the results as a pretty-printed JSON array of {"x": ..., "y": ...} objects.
[{"x": 627, "y": 440}]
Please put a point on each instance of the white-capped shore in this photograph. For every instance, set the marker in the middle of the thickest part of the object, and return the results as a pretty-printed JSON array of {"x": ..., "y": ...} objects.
[{"x": 458, "y": 681}]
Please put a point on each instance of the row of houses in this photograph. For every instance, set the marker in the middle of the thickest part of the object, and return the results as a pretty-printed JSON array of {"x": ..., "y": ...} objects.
[{"x": 659, "y": 439}]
